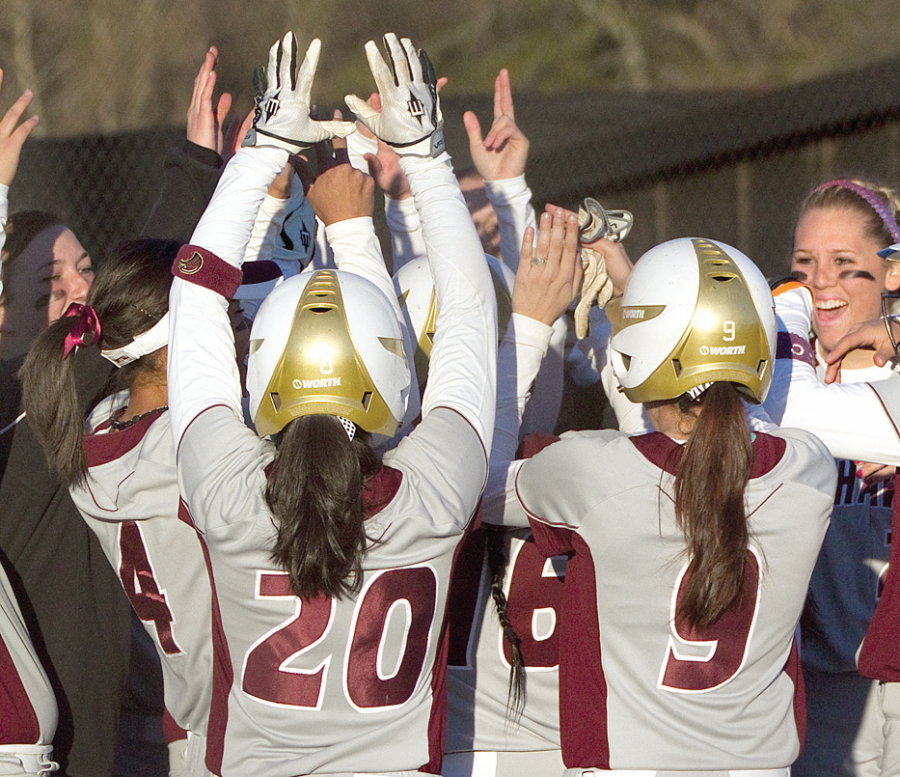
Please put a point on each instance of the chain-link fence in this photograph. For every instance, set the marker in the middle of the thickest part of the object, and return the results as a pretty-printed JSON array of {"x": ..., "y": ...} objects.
[{"x": 732, "y": 166}]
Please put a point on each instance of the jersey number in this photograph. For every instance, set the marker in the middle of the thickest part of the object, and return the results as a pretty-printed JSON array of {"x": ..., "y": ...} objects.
[
  {"x": 534, "y": 597},
  {"x": 395, "y": 601},
  {"x": 136, "y": 574},
  {"x": 701, "y": 661}
]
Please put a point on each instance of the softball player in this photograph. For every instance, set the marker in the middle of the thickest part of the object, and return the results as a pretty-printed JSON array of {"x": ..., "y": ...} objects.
[
  {"x": 690, "y": 548},
  {"x": 330, "y": 568},
  {"x": 842, "y": 226},
  {"x": 121, "y": 474}
]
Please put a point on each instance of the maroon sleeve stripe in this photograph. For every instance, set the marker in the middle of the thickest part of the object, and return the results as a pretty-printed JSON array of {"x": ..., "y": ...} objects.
[{"x": 197, "y": 265}]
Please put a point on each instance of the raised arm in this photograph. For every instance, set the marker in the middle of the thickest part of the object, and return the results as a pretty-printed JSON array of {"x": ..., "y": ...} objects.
[
  {"x": 462, "y": 372},
  {"x": 191, "y": 172},
  {"x": 851, "y": 419},
  {"x": 500, "y": 158},
  {"x": 202, "y": 368}
]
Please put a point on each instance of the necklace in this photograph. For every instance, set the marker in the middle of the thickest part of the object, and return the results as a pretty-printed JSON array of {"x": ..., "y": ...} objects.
[{"x": 118, "y": 426}]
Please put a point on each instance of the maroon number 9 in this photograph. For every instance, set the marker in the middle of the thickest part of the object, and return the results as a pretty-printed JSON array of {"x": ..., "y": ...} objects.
[{"x": 699, "y": 661}]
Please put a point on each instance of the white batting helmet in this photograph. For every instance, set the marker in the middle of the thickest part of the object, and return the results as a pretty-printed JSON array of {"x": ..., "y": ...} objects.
[
  {"x": 328, "y": 343},
  {"x": 694, "y": 312},
  {"x": 415, "y": 290}
]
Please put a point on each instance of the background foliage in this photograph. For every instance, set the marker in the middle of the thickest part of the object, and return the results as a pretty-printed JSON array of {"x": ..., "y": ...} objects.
[{"x": 99, "y": 66}]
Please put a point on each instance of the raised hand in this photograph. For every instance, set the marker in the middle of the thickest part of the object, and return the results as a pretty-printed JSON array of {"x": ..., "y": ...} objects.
[
  {"x": 868, "y": 335},
  {"x": 340, "y": 191},
  {"x": 549, "y": 273},
  {"x": 502, "y": 153},
  {"x": 204, "y": 124},
  {"x": 13, "y": 135},
  {"x": 282, "y": 117},
  {"x": 410, "y": 118}
]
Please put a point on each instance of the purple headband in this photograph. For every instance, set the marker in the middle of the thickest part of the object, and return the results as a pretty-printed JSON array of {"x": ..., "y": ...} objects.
[
  {"x": 876, "y": 203},
  {"x": 86, "y": 330}
]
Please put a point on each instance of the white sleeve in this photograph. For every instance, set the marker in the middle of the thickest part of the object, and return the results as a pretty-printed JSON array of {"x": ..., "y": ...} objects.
[
  {"x": 511, "y": 201},
  {"x": 849, "y": 418},
  {"x": 224, "y": 228},
  {"x": 356, "y": 249},
  {"x": 542, "y": 411},
  {"x": 518, "y": 362},
  {"x": 266, "y": 229},
  {"x": 202, "y": 371},
  {"x": 500, "y": 505},
  {"x": 407, "y": 243},
  {"x": 4, "y": 211},
  {"x": 462, "y": 373}
]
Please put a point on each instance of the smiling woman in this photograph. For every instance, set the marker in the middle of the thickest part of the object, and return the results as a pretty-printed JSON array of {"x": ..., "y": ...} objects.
[
  {"x": 842, "y": 226},
  {"x": 44, "y": 270}
]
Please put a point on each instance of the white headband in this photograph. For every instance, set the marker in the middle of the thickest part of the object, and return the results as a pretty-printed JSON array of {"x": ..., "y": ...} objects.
[{"x": 147, "y": 342}]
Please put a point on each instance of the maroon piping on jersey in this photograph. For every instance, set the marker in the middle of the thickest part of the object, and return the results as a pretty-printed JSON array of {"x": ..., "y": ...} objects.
[
  {"x": 223, "y": 679},
  {"x": 583, "y": 692},
  {"x": 197, "y": 265},
  {"x": 665, "y": 453},
  {"x": 100, "y": 449}
]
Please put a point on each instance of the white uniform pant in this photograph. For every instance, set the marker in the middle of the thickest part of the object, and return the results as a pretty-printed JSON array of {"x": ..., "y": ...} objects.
[
  {"x": 780, "y": 772},
  {"x": 482, "y": 763},
  {"x": 27, "y": 759}
]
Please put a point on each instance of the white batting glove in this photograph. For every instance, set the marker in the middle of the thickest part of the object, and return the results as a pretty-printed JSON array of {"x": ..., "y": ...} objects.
[
  {"x": 282, "y": 116},
  {"x": 410, "y": 119}
]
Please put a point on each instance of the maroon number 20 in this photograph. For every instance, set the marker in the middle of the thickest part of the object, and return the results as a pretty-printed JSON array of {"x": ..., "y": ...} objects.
[{"x": 273, "y": 670}]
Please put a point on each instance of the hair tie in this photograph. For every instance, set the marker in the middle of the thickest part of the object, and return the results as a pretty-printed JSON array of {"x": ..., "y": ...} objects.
[
  {"x": 875, "y": 202},
  {"x": 86, "y": 330},
  {"x": 695, "y": 392},
  {"x": 349, "y": 427}
]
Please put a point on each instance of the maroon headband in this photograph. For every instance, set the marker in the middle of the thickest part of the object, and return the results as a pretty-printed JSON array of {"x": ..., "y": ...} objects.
[
  {"x": 86, "y": 330},
  {"x": 876, "y": 203}
]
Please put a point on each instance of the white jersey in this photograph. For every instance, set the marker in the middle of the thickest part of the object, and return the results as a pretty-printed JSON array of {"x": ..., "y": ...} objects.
[
  {"x": 131, "y": 502},
  {"x": 479, "y": 717},
  {"x": 637, "y": 691},
  {"x": 321, "y": 685},
  {"x": 28, "y": 712}
]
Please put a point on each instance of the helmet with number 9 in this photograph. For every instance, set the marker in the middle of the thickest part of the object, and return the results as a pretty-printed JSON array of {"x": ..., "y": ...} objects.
[
  {"x": 415, "y": 291},
  {"x": 694, "y": 312},
  {"x": 327, "y": 343}
]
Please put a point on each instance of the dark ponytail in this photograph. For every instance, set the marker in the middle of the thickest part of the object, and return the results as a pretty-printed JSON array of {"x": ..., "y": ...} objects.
[
  {"x": 129, "y": 295},
  {"x": 498, "y": 562},
  {"x": 709, "y": 504},
  {"x": 314, "y": 491}
]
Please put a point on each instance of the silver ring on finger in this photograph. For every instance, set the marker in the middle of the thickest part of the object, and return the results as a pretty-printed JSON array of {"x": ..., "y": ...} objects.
[{"x": 537, "y": 260}]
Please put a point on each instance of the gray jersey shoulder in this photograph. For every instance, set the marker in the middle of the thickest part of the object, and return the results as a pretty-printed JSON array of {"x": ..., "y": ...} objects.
[{"x": 131, "y": 502}]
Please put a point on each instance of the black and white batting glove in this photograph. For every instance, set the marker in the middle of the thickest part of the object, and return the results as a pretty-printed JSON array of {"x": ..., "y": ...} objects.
[
  {"x": 410, "y": 119},
  {"x": 282, "y": 101}
]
